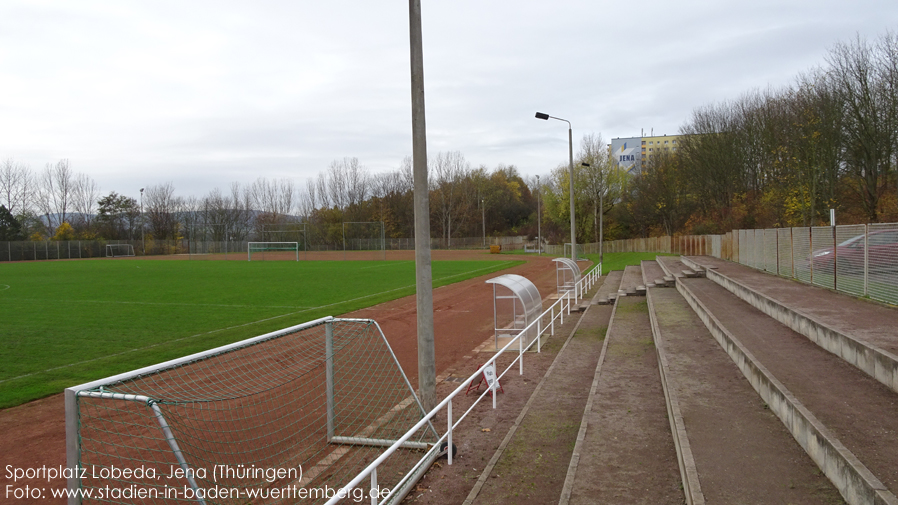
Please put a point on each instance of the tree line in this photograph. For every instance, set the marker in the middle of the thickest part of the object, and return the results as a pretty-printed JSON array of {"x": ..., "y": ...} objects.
[
  {"x": 782, "y": 157},
  {"x": 57, "y": 203},
  {"x": 771, "y": 158}
]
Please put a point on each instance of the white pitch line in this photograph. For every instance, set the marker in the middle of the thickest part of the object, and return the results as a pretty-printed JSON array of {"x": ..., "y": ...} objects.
[
  {"x": 4, "y": 288},
  {"x": 229, "y": 328},
  {"x": 123, "y": 302}
]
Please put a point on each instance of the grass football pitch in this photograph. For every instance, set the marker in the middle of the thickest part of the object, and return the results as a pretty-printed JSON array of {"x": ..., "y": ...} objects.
[{"x": 63, "y": 323}]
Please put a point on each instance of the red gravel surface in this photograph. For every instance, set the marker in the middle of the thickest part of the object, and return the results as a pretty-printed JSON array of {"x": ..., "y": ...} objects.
[{"x": 463, "y": 319}]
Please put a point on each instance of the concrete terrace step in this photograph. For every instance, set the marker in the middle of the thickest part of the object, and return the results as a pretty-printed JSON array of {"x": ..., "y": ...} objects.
[
  {"x": 549, "y": 425},
  {"x": 709, "y": 402},
  {"x": 632, "y": 282},
  {"x": 842, "y": 418},
  {"x": 607, "y": 292},
  {"x": 624, "y": 451},
  {"x": 653, "y": 275},
  {"x": 860, "y": 332}
]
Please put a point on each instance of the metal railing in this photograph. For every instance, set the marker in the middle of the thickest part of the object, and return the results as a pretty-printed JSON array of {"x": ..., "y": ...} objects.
[
  {"x": 561, "y": 305},
  {"x": 860, "y": 260}
]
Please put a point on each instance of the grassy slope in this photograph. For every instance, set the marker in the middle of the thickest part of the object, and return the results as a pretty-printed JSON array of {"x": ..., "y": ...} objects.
[
  {"x": 69, "y": 322},
  {"x": 617, "y": 261}
]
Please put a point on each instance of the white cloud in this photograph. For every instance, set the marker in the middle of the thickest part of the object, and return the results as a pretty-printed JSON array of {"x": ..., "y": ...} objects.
[{"x": 203, "y": 93}]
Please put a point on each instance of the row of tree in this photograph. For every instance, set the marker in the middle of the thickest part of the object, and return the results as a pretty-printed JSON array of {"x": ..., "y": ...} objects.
[
  {"x": 465, "y": 201},
  {"x": 782, "y": 157}
]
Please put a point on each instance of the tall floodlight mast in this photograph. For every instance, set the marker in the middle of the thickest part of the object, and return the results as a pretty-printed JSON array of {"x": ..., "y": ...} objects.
[{"x": 423, "y": 275}]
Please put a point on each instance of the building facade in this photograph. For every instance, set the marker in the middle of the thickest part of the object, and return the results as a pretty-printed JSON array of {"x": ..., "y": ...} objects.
[{"x": 632, "y": 153}]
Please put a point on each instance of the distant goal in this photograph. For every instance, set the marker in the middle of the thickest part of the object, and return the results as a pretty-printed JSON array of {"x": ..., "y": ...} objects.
[
  {"x": 364, "y": 240},
  {"x": 119, "y": 250},
  {"x": 272, "y": 251}
]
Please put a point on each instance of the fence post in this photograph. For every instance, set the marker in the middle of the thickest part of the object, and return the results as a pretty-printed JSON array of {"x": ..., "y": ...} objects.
[
  {"x": 329, "y": 376},
  {"x": 449, "y": 429},
  {"x": 811, "y": 249},
  {"x": 866, "y": 258},
  {"x": 835, "y": 258}
]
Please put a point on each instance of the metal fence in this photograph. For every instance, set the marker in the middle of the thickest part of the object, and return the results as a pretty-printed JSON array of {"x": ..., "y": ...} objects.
[
  {"x": 80, "y": 249},
  {"x": 860, "y": 260}
]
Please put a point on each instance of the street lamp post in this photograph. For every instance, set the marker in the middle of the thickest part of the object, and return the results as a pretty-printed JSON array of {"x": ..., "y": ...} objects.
[
  {"x": 483, "y": 210},
  {"x": 601, "y": 218},
  {"x": 570, "y": 142},
  {"x": 143, "y": 241},
  {"x": 539, "y": 222}
]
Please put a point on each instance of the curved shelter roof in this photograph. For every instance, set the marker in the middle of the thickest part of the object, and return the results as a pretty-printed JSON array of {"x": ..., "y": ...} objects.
[
  {"x": 528, "y": 296},
  {"x": 567, "y": 273}
]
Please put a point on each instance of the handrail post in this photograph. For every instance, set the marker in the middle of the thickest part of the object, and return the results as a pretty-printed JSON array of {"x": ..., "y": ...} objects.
[
  {"x": 449, "y": 415},
  {"x": 521, "y": 353},
  {"x": 539, "y": 335},
  {"x": 493, "y": 385},
  {"x": 374, "y": 490},
  {"x": 552, "y": 320}
]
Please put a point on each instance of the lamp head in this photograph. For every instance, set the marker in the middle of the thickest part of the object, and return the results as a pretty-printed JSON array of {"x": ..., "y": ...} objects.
[
  {"x": 540, "y": 115},
  {"x": 585, "y": 164}
]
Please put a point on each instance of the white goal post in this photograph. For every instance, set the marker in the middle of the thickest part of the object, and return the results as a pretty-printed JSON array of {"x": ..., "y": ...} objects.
[
  {"x": 271, "y": 247},
  {"x": 292, "y": 411},
  {"x": 118, "y": 250}
]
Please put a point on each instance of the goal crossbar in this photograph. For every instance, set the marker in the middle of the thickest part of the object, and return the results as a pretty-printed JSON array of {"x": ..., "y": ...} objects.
[
  {"x": 263, "y": 247},
  {"x": 118, "y": 250}
]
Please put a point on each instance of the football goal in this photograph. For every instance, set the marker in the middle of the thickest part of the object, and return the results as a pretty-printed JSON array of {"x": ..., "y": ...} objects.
[
  {"x": 117, "y": 250},
  {"x": 272, "y": 250},
  {"x": 364, "y": 240},
  {"x": 276, "y": 417},
  {"x": 567, "y": 251}
]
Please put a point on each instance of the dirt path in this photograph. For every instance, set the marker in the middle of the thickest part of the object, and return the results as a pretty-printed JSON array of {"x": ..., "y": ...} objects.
[{"x": 463, "y": 318}]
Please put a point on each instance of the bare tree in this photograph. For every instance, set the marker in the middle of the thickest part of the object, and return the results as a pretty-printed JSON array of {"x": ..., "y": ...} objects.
[
  {"x": 16, "y": 187},
  {"x": 449, "y": 171},
  {"x": 599, "y": 182},
  {"x": 161, "y": 207},
  {"x": 55, "y": 192},
  {"x": 85, "y": 192},
  {"x": 860, "y": 72}
]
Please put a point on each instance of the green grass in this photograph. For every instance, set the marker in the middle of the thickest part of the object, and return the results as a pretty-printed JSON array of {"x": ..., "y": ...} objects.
[
  {"x": 617, "y": 261},
  {"x": 70, "y": 322}
]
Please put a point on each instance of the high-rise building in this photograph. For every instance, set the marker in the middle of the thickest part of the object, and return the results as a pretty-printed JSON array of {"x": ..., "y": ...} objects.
[{"x": 632, "y": 152}]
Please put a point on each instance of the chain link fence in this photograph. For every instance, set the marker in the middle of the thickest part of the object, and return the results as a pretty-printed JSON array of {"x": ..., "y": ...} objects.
[{"x": 82, "y": 249}]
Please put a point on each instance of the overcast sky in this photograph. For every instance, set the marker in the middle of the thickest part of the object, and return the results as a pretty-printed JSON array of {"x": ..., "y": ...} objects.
[{"x": 203, "y": 93}]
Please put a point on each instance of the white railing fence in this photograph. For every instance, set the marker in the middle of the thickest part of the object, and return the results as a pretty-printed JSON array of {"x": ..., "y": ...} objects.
[{"x": 546, "y": 322}]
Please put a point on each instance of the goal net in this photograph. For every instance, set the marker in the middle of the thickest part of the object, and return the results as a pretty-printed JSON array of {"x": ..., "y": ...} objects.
[
  {"x": 364, "y": 240},
  {"x": 272, "y": 251},
  {"x": 567, "y": 251},
  {"x": 277, "y": 418},
  {"x": 116, "y": 250}
]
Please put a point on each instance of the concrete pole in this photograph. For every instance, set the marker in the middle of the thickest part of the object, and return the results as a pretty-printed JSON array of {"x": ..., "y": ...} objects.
[
  {"x": 539, "y": 221},
  {"x": 601, "y": 220},
  {"x": 483, "y": 228},
  {"x": 423, "y": 274},
  {"x": 570, "y": 141}
]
